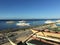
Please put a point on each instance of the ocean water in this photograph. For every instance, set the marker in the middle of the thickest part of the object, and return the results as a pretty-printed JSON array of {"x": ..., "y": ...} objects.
[{"x": 4, "y": 25}]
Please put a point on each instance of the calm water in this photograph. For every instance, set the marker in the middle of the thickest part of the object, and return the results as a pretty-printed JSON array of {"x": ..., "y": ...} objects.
[{"x": 4, "y": 25}]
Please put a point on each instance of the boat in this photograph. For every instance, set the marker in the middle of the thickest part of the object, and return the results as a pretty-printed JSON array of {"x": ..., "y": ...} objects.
[
  {"x": 49, "y": 22},
  {"x": 40, "y": 35},
  {"x": 58, "y": 21},
  {"x": 23, "y": 23},
  {"x": 47, "y": 34}
]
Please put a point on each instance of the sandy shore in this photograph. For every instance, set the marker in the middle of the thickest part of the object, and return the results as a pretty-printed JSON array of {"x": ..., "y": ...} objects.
[{"x": 21, "y": 36}]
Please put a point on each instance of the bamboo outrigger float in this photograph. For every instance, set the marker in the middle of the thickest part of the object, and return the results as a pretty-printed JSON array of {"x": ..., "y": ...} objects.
[{"x": 47, "y": 35}]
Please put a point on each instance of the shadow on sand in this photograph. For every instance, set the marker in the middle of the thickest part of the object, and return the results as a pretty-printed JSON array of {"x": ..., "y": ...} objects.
[{"x": 39, "y": 42}]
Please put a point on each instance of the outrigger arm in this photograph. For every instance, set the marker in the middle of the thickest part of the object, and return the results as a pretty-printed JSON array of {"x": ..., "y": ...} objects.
[{"x": 12, "y": 43}]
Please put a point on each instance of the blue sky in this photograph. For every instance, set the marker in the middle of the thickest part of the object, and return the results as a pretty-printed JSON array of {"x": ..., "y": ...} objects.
[{"x": 28, "y": 9}]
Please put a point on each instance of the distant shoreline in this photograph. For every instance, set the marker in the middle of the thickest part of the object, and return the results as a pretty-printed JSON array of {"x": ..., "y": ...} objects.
[{"x": 25, "y": 19}]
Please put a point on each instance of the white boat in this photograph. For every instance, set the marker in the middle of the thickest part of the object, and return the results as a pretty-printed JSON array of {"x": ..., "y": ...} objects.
[
  {"x": 58, "y": 21},
  {"x": 23, "y": 23},
  {"x": 49, "y": 21},
  {"x": 52, "y": 23}
]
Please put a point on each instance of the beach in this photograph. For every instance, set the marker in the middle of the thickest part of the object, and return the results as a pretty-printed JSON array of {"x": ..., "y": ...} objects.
[{"x": 21, "y": 36}]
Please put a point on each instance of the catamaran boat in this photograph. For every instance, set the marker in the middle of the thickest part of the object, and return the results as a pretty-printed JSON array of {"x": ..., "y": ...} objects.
[{"x": 22, "y": 23}]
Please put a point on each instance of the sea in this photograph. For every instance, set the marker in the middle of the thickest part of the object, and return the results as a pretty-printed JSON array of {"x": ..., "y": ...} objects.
[{"x": 33, "y": 22}]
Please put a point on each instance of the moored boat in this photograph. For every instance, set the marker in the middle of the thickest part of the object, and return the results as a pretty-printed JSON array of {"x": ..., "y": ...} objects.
[{"x": 22, "y": 23}]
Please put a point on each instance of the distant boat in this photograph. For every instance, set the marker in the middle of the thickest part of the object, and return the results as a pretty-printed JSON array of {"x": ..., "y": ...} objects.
[
  {"x": 58, "y": 21},
  {"x": 49, "y": 21},
  {"x": 52, "y": 23},
  {"x": 22, "y": 23},
  {"x": 10, "y": 22}
]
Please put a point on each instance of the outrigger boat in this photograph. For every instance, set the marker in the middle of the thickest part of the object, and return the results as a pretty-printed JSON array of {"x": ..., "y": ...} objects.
[
  {"x": 47, "y": 35},
  {"x": 41, "y": 34}
]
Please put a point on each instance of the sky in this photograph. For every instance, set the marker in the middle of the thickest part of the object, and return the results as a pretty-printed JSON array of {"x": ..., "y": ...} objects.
[{"x": 29, "y": 9}]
